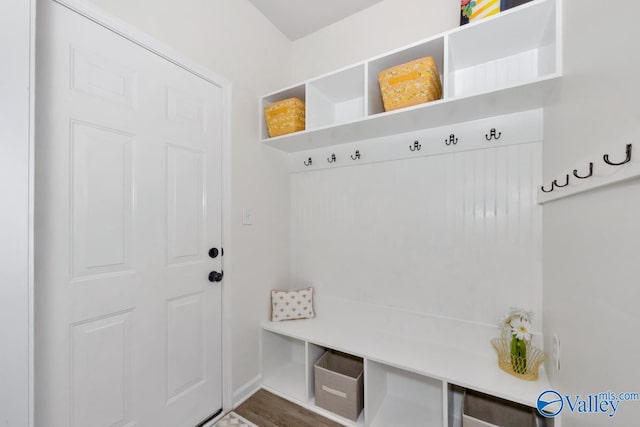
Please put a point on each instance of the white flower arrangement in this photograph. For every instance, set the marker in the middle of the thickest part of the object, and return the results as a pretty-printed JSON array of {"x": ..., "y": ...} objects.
[{"x": 516, "y": 354}]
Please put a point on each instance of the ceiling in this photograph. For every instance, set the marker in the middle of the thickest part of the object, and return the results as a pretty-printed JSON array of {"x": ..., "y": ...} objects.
[{"x": 297, "y": 18}]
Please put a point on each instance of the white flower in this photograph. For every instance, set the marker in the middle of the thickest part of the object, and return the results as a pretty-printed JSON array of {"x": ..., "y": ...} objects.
[
  {"x": 521, "y": 314},
  {"x": 521, "y": 329}
]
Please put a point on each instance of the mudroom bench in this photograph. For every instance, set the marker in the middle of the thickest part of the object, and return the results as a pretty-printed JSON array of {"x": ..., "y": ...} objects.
[{"x": 416, "y": 367}]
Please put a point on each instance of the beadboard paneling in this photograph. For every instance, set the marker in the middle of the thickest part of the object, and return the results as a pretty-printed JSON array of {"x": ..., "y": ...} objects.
[{"x": 456, "y": 234}]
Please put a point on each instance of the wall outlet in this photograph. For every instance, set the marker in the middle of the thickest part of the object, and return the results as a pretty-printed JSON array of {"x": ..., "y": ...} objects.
[{"x": 556, "y": 352}]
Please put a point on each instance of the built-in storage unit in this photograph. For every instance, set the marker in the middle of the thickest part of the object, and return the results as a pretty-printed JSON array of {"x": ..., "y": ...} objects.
[
  {"x": 503, "y": 64},
  {"x": 411, "y": 378},
  {"x": 496, "y": 75}
]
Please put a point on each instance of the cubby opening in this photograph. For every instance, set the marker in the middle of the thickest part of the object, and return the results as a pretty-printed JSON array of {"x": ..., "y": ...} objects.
[
  {"x": 433, "y": 47},
  {"x": 283, "y": 364},
  {"x": 298, "y": 91},
  {"x": 516, "y": 47},
  {"x": 398, "y": 397},
  {"x": 314, "y": 354},
  {"x": 456, "y": 408},
  {"x": 337, "y": 98}
]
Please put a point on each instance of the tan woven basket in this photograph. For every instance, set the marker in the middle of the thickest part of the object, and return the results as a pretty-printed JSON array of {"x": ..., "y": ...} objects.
[
  {"x": 413, "y": 83},
  {"x": 286, "y": 116},
  {"x": 524, "y": 368}
]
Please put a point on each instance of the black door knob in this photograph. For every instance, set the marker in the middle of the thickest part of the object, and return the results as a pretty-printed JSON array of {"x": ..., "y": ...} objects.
[
  {"x": 213, "y": 252},
  {"x": 214, "y": 276}
]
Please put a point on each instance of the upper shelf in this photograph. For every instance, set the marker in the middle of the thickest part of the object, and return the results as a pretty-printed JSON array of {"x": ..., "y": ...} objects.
[{"x": 503, "y": 64}]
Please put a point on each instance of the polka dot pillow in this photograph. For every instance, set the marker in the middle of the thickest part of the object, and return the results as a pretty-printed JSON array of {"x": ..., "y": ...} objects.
[{"x": 293, "y": 304}]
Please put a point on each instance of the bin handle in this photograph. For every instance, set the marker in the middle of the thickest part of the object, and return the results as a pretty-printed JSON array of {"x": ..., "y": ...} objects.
[{"x": 334, "y": 392}]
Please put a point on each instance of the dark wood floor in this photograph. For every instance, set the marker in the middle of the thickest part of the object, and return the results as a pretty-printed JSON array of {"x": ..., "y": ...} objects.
[{"x": 268, "y": 410}]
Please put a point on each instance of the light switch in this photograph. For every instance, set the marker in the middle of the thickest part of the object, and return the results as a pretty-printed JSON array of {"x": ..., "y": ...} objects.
[{"x": 247, "y": 216}]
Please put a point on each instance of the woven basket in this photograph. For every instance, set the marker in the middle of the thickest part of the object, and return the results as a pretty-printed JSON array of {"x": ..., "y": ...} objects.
[
  {"x": 524, "y": 368},
  {"x": 413, "y": 83},
  {"x": 286, "y": 116}
]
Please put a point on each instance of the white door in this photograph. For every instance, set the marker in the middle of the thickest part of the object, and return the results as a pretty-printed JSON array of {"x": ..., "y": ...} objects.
[{"x": 128, "y": 204}]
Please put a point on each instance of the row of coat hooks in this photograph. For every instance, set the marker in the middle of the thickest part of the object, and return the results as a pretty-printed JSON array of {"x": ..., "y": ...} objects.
[
  {"x": 332, "y": 159},
  {"x": 416, "y": 146},
  {"x": 606, "y": 159}
]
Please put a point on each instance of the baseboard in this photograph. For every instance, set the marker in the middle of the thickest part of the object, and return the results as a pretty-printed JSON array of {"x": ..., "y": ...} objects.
[{"x": 247, "y": 390}]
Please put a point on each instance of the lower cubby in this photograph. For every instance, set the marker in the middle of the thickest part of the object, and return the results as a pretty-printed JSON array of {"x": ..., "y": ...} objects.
[
  {"x": 314, "y": 354},
  {"x": 481, "y": 409},
  {"x": 395, "y": 397},
  {"x": 283, "y": 365}
]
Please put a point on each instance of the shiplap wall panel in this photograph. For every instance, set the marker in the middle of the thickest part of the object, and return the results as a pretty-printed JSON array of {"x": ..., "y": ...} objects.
[{"x": 456, "y": 234}]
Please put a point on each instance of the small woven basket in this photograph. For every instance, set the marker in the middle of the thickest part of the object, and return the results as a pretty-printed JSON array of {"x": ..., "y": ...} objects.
[
  {"x": 409, "y": 84},
  {"x": 521, "y": 367},
  {"x": 284, "y": 117}
]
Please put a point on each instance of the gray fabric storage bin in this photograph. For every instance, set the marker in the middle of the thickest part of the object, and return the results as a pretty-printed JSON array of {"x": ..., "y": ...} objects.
[
  {"x": 481, "y": 410},
  {"x": 339, "y": 384}
]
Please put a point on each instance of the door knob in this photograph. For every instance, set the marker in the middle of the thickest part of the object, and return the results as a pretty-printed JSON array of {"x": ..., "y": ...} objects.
[
  {"x": 214, "y": 276},
  {"x": 213, "y": 252}
]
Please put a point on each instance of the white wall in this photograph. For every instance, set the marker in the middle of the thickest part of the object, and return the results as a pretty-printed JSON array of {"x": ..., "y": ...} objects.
[
  {"x": 591, "y": 255},
  {"x": 15, "y": 217},
  {"x": 233, "y": 39},
  {"x": 382, "y": 27}
]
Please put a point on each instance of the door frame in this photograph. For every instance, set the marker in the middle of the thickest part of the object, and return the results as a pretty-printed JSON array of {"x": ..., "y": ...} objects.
[
  {"x": 16, "y": 151},
  {"x": 158, "y": 48}
]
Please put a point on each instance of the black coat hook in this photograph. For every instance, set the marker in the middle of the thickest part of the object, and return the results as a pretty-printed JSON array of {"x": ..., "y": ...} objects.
[
  {"x": 627, "y": 160},
  {"x": 452, "y": 140},
  {"x": 492, "y": 134},
  {"x": 547, "y": 191},
  {"x": 555, "y": 182},
  {"x": 575, "y": 172},
  {"x": 416, "y": 146},
  {"x": 308, "y": 162},
  {"x": 331, "y": 159},
  {"x": 357, "y": 156}
]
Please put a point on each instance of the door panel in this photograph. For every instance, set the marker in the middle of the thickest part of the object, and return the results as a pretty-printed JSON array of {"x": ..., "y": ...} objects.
[
  {"x": 102, "y": 200},
  {"x": 185, "y": 204},
  {"x": 185, "y": 344},
  {"x": 128, "y": 195},
  {"x": 102, "y": 371}
]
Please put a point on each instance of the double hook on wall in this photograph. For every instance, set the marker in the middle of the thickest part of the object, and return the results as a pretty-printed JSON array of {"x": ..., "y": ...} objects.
[
  {"x": 555, "y": 184},
  {"x": 493, "y": 135}
]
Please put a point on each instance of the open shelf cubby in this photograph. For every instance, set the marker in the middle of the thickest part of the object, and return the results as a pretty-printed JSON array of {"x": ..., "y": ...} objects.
[
  {"x": 402, "y": 398},
  {"x": 336, "y": 98},
  {"x": 283, "y": 365},
  {"x": 298, "y": 91},
  {"x": 433, "y": 47},
  {"x": 513, "y": 48},
  {"x": 503, "y": 64}
]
